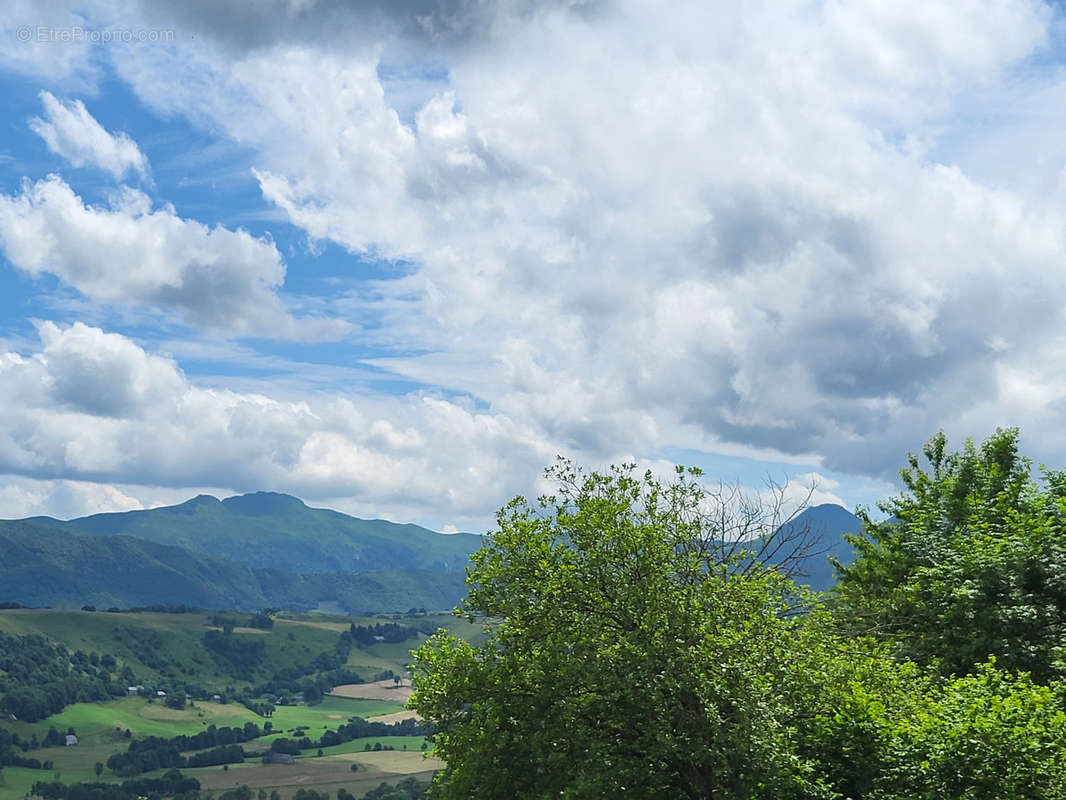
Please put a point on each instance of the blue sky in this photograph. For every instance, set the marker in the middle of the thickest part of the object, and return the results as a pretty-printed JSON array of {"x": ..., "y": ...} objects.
[{"x": 394, "y": 258}]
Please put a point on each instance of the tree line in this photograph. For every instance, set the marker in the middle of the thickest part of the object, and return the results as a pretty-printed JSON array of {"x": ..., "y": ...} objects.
[
  {"x": 39, "y": 678},
  {"x": 219, "y": 746},
  {"x": 174, "y": 784}
]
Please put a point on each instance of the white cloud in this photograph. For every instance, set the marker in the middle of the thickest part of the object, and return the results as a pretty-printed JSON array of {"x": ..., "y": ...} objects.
[
  {"x": 92, "y": 406},
  {"x": 634, "y": 224},
  {"x": 66, "y": 499},
  {"x": 224, "y": 280},
  {"x": 62, "y": 499},
  {"x": 30, "y": 46},
  {"x": 70, "y": 131},
  {"x": 727, "y": 226}
]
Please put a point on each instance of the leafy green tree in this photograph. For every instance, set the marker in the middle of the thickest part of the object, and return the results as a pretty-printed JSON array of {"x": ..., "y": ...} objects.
[
  {"x": 177, "y": 699},
  {"x": 971, "y": 563},
  {"x": 623, "y": 656},
  {"x": 899, "y": 733}
]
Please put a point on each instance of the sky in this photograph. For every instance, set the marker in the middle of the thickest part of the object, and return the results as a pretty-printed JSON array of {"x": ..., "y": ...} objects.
[{"x": 394, "y": 258}]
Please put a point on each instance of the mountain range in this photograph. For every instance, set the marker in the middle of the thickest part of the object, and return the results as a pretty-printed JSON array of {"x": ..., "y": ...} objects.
[
  {"x": 245, "y": 552},
  {"x": 276, "y": 531},
  {"x": 265, "y": 549}
]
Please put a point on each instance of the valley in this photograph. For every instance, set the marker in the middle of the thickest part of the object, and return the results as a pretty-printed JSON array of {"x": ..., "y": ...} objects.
[
  {"x": 167, "y": 653},
  {"x": 106, "y": 635}
]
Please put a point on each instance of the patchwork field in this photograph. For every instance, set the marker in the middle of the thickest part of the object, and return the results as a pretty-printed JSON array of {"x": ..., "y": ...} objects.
[
  {"x": 101, "y": 732},
  {"x": 326, "y": 773},
  {"x": 294, "y": 639}
]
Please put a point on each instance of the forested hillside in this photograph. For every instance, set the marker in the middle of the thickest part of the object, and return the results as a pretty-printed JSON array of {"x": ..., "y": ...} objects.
[
  {"x": 42, "y": 565},
  {"x": 276, "y": 531}
]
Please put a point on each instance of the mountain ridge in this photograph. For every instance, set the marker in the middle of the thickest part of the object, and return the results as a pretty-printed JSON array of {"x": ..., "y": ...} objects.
[
  {"x": 270, "y": 549},
  {"x": 42, "y": 565},
  {"x": 265, "y": 529}
]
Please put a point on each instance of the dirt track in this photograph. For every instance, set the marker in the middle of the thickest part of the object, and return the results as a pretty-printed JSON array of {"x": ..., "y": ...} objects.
[
  {"x": 382, "y": 690},
  {"x": 394, "y": 717}
]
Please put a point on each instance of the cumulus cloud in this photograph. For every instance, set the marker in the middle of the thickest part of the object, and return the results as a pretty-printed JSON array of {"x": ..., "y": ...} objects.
[
  {"x": 72, "y": 132},
  {"x": 225, "y": 280},
  {"x": 97, "y": 423},
  {"x": 92, "y": 406},
  {"x": 633, "y": 227},
  {"x": 72, "y": 63},
  {"x": 342, "y": 24},
  {"x": 731, "y": 227},
  {"x": 62, "y": 499}
]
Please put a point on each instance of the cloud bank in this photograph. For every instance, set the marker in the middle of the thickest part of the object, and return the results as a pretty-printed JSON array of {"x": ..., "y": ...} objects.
[
  {"x": 92, "y": 406},
  {"x": 767, "y": 229}
]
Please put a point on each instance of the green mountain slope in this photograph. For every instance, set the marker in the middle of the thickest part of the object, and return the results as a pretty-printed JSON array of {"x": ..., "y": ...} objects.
[
  {"x": 41, "y": 564},
  {"x": 826, "y": 525},
  {"x": 268, "y": 530}
]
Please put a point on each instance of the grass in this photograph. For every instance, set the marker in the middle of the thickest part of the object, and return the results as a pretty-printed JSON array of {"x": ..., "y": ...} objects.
[
  {"x": 95, "y": 720},
  {"x": 398, "y": 761},
  {"x": 400, "y": 743},
  {"x": 324, "y": 773},
  {"x": 15, "y": 782},
  {"x": 101, "y": 726},
  {"x": 295, "y": 639},
  {"x": 330, "y": 713},
  {"x": 105, "y": 722}
]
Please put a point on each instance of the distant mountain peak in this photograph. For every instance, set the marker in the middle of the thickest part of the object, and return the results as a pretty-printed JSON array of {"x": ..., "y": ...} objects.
[
  {"x": 262, "y": 503},
  {"x": 190, "y": 506},
  {"x": 828, "y": 509},
  {"x": 827, "y": 524},
  {"x": 201, "y": 500}
]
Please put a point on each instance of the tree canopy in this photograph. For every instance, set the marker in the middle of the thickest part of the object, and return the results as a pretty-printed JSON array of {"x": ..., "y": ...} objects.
[
  {"x": 628, "y": 651},
  {"x": 971, "y": 562},
  {"x": 622, "y": 658}
]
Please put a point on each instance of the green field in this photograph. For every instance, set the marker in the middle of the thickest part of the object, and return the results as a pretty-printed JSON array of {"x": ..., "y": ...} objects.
[
  {"x": 326, "y": 774},
  {"x": 401, "y": 743},
  {"x": 295, "y": 639},
  {"x": 106, "y": 722},
  {"x": 100, "y": 728},
  {"x": 140, "y": 716},
  {"x": 330, "y": 713}
]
